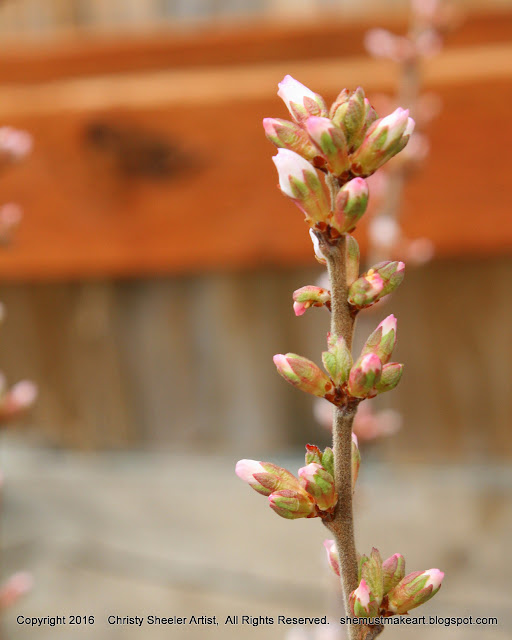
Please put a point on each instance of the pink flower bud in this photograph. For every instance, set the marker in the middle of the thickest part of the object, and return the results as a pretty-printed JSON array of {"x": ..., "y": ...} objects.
[
  {"x": 350, "y": 205},
  {"x": 415, "y": 589},
  {"x": 356, "y": 460},
  {"x": 338, "y": 359},
  {"x": 364, "y": 375},
  {"x": 384, "y": 139},
  {"x": 390, "y": 377},
  {"x": 371, "y": 573},
  {"x": 332, "y": 556},
  {"x": 362, "y": 602},
  {"x": 300, "y": 101},
  {"x": 319, "y": 483},
  {"x": 304, "y": 374},
  {"x": 310, "y": 296},
  {"x": 331, "y": 142},
  {"x": 383, "y": 340},
  {"x": 299, "y": 180},
  {"x": 265, "y": 477},
  {"x": 379, "y": 281},
  {"x": 292, "y": 504},
  {"x": 393, "y": 571},
  {"x": 288, "y": 135}
]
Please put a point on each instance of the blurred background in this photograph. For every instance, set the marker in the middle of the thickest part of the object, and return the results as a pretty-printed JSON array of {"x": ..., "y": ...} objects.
[{"x": 149, "y": 284}]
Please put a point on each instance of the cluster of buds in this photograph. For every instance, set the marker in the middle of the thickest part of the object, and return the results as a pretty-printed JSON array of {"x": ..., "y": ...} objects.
[
  {"x": 364, "y": 291},
  {"x": 347, "y": 382},
  {"x": 384, "y": 589},
  {"x": 346, "y": 141},
  {"x": 311, "y": 495}
]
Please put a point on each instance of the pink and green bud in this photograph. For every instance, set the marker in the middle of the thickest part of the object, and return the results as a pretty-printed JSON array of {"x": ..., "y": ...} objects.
[
  {"x": 384, "y": 139},
  {"x": 288, "y": 135},
  {"x": 331, "y": 142},
  {"x": 301, "y": 101},
  {"x": 325, "y": 459},
  {"x": 379, "y": 281},
  {"x": 337, "y": 359},
  {"x": 265, "y": 477},
  {"x": 364, "y": 375},
  {"x": 362, "y": 602},
  {"x": 414, "y": 590},
  {"x": 356, "y": 460},
  {"x": 371, "y": 573},
  {"x": 310, "y": 296},
  {"x": 352, "y": 259},
  {"x": 319, "y": 483},
  {"x": 383, "y": 340},
  {"x": 390, "y": 377},
  {"x": 299, "y": 180},
  {"x": 350, "y": 205},
  {"x": 303, "y": 374},
  {"x": 352, "y": 113},
  {"x": 332, "y": 556},
  {"x": 393, "y": 571},
  {"x": 292, "y": 504}
]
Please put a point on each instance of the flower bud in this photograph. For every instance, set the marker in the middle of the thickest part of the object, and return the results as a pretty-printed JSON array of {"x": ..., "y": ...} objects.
[
  {"x": 350, "y": 205},
  {"x": 383, "y": 340},
  {"x": 376, "y": 283},
  {"x": 310, "y": 296},
  {"x": 356, "y": 460},
  {"x": 313, "y": 454},
  {"x": 362, "y": 602},
  {"x": 288, "y": 135},
  {"x": 390, "y": 377},
  {"x": 364, "y": 375},
  {"x": 304, "y": 374},
  {"x": 352, "y": 259},
  {"x": 415, "y": 589},
  {"x": 330, "y": 140},
  {"x": 320, "y": 484},
  {"x": 371, "y": 573},
  {"x": 292, "y": 504},
  {"x": 393, "y": 570},
  {"x": 332, "y": 556},
  {"x": 301, "y": 101},
  {"x": 384, "y": 139},
  {"x": 265, "y": 477},
  {"x": 353, "y": 114},
  {"x": 299, "y": 181},
  {"x": 338, "y": 359}
]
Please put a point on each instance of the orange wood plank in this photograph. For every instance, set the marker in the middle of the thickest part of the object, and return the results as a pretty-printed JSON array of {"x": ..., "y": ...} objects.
[{"x": 85, "y": 216}]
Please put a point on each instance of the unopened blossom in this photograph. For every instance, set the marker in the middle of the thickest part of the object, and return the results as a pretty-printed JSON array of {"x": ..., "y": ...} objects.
[
  {"x": 384, "y": 139},
  {"x": 414, "y": 590},
  {"x": 310, "y": 296},
  {"x": 350, "y": 205},
  {"x": 301, "y": 101},
  {"x": 364, "y": 375},
  {"x": 331, "y": 143},
  {"x": 292, "y": 505},
  {"x": 379, "y": 281},
  {"x": 382, "y": 341},
  {"x": 288, "y": 135},
  {"x": 393, "y": 571},
  {"x": 390, "y": 377},
  {"x": 319, "y": 483},
  {"x": 362, "y": 602},
  {"x": 304, "y": 374},
  {"x": 299, "y": 180}
]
